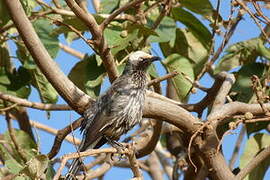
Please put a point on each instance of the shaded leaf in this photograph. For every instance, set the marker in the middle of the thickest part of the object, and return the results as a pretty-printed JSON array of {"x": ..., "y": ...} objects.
[
  {"x": 254, "y": 145},
  {"x": 24, "y": 141},
  {"x": 46, "y": 91},
  {"x": 116, "y": 40},
  {"x": 152, "y": 71},
  {"x": 165, "y": 32},
  {"x": 188, "y": 46},
  {"x": 194, "y": 25},
  {"x": 27, "y": 5},
  {"x": 244, "y": 92},
  {"x": 88, "y": 76},
  {"x": 4, "y": 57},
  {"x": 4, "y": 14},
  {"x": 202, "y": 7},
  {"x": 50, "y": 172},
  {"x": 108, "y": 6},
  {"x": 12, "y": 165},
  {"x": 45, "y": 31},
  {"x": 176, "y": 62},
  {"x": 241, "y": 53},
  {"x": 243, "y": 84},
  {"x": 35, "y": 168},
  {"x": 15, "y": 83}
]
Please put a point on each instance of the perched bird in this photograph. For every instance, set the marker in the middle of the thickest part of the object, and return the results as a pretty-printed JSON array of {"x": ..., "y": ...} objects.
[{"x": 118, "y": 110}]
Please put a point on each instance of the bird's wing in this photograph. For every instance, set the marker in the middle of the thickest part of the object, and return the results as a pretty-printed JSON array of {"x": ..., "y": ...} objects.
[{"x": 101, "y": 115}]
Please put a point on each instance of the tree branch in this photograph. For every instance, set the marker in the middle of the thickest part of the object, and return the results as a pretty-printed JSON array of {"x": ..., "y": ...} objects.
[
  {"x": 146, "y": 145},
  {"x": 35, "y": 105},
  {"x": 50, "y": 130},
  {"x": 223, "y": 91},
  {"x": 100, "y": 44},
  {"x": 237, "y": 147},
  {"x": 72, "y": 95},
  {"x": 127, "y": 6},
  {"x": 253, "y": 163},
  {"x": 61, "y": 135}
]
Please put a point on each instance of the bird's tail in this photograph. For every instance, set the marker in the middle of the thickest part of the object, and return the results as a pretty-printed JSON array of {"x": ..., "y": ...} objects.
[
  {"x": 73, "y": 170},
  {"x": 76, "y": 163}
]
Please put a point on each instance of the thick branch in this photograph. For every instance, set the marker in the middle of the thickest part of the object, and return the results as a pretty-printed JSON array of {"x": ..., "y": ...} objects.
[
  {"x": 217, "y": 166},
  {"x": 72, "y": 95},
  {"x": 166, "y": 111},
  {"x": 234, "y": 108},
  {"x": 146, "y": 147},
  {"x": 220, "y": 97},
  {"x": 100, "y": 44}
]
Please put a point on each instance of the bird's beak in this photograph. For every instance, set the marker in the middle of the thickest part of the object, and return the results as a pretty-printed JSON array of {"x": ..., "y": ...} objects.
[{"x": 154, "y": 58}]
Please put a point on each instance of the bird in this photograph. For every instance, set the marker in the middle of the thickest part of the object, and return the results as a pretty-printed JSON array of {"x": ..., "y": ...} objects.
[{"x": 117, "y": 111}]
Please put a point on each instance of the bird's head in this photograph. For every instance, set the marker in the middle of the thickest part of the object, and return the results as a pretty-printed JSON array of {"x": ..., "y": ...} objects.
[{"x": 139, "y": 61}]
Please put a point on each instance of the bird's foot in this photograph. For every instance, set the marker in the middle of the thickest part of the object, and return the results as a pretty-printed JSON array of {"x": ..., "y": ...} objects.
[{"x": 121, "y": 148}]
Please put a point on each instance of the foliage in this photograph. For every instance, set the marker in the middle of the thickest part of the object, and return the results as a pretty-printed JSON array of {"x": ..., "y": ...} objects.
[{"x": 184, "y": 36}]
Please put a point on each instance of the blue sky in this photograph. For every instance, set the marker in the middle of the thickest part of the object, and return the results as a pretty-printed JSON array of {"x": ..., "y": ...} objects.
[{"x": 246, "y": 30}]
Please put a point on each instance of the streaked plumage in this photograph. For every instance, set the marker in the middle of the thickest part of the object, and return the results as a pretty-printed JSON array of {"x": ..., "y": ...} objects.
[{"x": 118, "y": 110}]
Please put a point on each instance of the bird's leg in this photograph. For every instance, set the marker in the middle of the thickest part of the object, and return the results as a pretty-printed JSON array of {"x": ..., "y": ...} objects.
[{"x": 118, "y": 146}]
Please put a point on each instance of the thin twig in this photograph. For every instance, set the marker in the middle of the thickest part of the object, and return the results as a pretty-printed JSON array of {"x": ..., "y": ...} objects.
[
  {"x": 226, "y": 39},
  {"x": 159, "y": 79},
  {"x": 61, "y": 134},
  {"x": 237, "y": 147},
  {"x": 89, "y": 152},
  {"x": 72, "y": 28},
  {"x": 13, "y": 138},
  {"x": 35, "y": 105},
  {"x": 96, "y": 4},
  {"x": 134, "y": 165},
  {"x": 127, "y": 6},
  {"x": 260, "y": 13},
  {"x": 8, "y": 108},
  {"x": 253, "y": 163},
  {"x": 71, "y": 51},
  {"x": 242, "y": 4},
  {"x": 53, "y": 131}
]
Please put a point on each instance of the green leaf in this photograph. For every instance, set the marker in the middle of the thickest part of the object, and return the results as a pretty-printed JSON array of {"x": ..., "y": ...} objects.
[
  {"x": 46, "y": 91},
  {"x": 243, "y": 84},
  {"x": 72, "y": 21},
  {"x": 10, "y": 163},
  {"x": 254, "y": 145},
  {"x": 45, "y": 31},
  {"x": 152, "y": 71},
  {"x": 50, "y": 172},
  {"x": 4, "y": 57},
  {"x": 190, "y": 48},
  {"x": 35, "y": 168},
  {"x": 202, "y": 7},
  {"x": 176, "y": 62},
  {"x": 24, "y": 141},
  {"x": 263, "y": 51},
  {"x": 244, "y": 92},
  {"x": 116, "y": 40},
  {"x": 194, "y": 25},
  {"x": 108, "y": 6},
  {"x": 28, "y": 6},
  {"x": 242, "y": 53},
  {"x": 4, "y": 14},
  {"x": 16, "y": 84},
  {"x": 165, "y": 32},
  {"x": 88, "y": 76}
]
